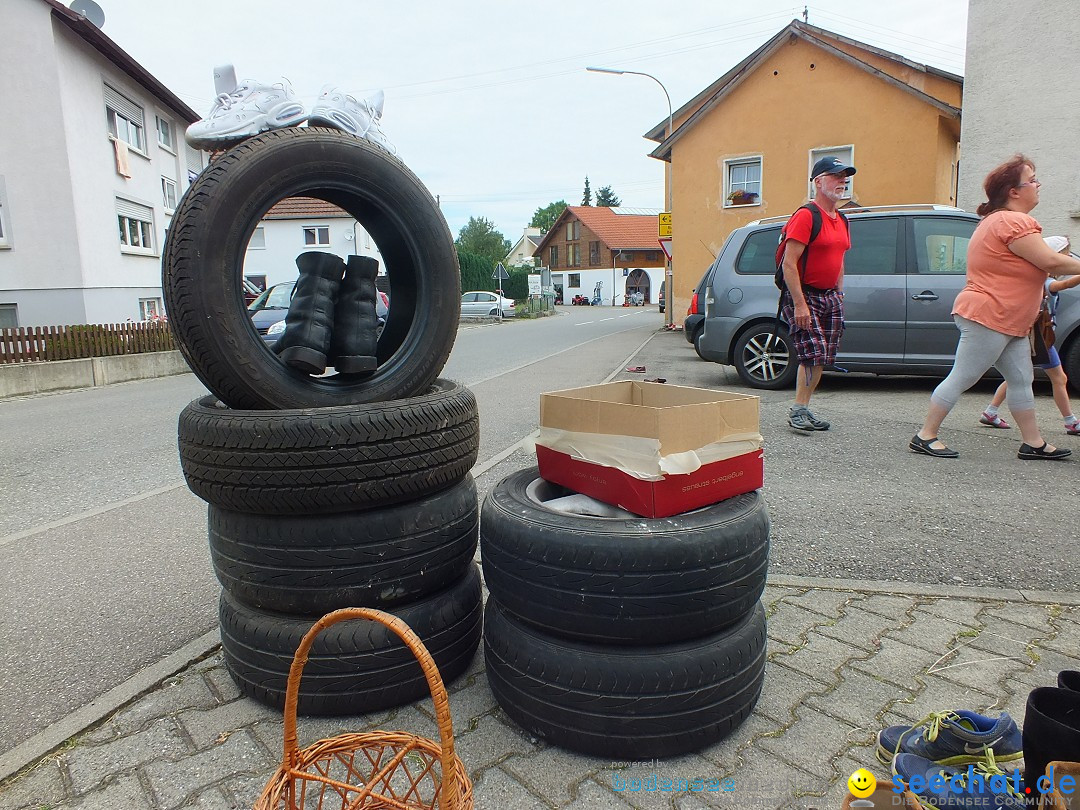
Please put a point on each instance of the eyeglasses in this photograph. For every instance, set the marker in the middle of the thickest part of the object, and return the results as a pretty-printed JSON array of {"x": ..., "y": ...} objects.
[{"x": 1031, "y": 182}]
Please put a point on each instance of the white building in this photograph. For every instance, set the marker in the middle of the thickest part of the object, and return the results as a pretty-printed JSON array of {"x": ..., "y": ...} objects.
[
  {"x": 523, "y": 250},
  {"x": 92, "y": 164},
  {"x": 1020, "y": 95},
  {"x": 299, "y": 224}
]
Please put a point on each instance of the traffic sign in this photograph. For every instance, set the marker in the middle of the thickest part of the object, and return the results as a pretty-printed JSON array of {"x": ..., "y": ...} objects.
[
  {"x": 665, "y": 245},
  {"x": 500, "y": 272},
  {"x": 664, "y": 224}
]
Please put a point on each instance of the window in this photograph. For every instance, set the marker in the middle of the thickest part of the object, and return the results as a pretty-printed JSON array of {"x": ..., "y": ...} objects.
[
  {"x": 873, "y": 247},
  {"x": 168, "y": 193},
  {"x": 652, "y": 256},
  {"x": 573, "y": 230},
  {"x": 136, "y": 223},
  {"x": 594, "y": 253},
  {"x": 316, "y": 235},
  {"x": 9, "y": 316},
  {"x": 553, "y": 253},
  {"x": 257, "y": 240},
  {"x": 573, "y": 255},
  {"x": 150, "y": 309},
  {"x": 941, "y": 244},
  {"x": 743, "y": 182},
  {"x": 125, "y": 119},
  {"x": 845, "y": 154},
  {"x": 758, "y": 256},
  {"x": 573, "y": 279},
  {"x": 165, "y": 133},
  {"x": 194, "y": 162},
  {"x": 5, "y": 241}
]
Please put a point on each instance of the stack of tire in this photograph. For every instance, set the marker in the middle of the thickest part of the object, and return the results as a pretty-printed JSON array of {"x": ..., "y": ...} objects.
[
  {"x": 623, "y": 637},
  {"x": 341, "y": 490}
]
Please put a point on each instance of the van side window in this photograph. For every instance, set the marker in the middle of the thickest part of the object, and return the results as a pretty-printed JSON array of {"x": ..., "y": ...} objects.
[
  {"x": 758, "y": 256},
  {"x": 873, "y": 247},
  {"x": 941, "y": 244}
]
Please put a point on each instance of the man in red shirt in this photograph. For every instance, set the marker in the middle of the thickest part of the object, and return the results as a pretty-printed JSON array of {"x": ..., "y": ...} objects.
[{"x": 813, "y": 301}]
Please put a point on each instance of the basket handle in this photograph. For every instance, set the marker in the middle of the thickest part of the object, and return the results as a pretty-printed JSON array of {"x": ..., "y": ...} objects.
[{"x": 448, "y": 791}]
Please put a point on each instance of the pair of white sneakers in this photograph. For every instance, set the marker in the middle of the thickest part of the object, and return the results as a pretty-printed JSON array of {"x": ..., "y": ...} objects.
[{"x": 246, "y": 108}]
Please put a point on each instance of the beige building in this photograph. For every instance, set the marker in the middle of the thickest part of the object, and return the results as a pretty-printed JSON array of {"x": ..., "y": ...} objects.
[{"x": 742, "y": 148}]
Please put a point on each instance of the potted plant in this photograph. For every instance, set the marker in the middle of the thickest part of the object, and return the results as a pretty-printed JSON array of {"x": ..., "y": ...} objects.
[{"x": 742, "y": 197}]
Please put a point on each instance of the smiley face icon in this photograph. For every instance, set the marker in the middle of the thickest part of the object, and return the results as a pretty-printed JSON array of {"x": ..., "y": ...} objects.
[{"x": 861, "y": 783}]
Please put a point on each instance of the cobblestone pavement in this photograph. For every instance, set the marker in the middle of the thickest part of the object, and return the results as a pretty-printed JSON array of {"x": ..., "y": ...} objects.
[{"x": 843, "y": 660}]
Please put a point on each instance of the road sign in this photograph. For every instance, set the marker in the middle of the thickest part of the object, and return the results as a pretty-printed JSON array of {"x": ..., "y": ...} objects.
[
  {"x": 664, "y": 223},
  {"x": 665, "y": 245},
  {"x": 500, "y": 272},
  {"x": 534, "y": 284}
]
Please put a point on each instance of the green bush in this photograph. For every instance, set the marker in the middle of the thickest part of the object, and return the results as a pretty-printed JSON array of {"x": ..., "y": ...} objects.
[{"x": 475, "y": 272}]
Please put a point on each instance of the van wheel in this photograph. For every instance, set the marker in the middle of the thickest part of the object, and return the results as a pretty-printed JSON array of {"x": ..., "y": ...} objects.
[
  {"x": 697, "y": 341},
  {"x": 764, "y": 360}
]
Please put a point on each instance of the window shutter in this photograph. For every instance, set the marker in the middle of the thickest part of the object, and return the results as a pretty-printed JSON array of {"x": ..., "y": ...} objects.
[
  {"x": 194, "y": 159},
  {"x": 134, "y": 210},
  {"x": 125, "y": 106}
]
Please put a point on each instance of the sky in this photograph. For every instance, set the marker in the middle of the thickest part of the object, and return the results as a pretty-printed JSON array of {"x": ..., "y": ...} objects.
[{"x": 488, "y": 102}]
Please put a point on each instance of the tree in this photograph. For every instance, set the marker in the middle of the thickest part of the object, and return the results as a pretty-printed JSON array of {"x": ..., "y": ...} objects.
[
  {"x": 586, "y": 198},
  {"x": 545, "y": 217},
  {"x": 606, "y": 198},
  {"x": 481, "y": 238}
]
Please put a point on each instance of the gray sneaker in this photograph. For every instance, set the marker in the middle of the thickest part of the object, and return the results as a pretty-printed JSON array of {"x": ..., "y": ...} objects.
[{"x": 801, "y": 418}]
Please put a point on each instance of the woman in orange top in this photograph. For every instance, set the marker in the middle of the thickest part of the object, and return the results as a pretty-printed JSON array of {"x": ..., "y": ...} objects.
[{"x": 1008, "y": 263}]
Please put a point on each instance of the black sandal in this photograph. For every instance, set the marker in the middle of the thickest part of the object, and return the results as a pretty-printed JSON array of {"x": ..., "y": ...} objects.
[
  {"x": 918, "y": 445},
  {"x": 1028, "y": 453}
]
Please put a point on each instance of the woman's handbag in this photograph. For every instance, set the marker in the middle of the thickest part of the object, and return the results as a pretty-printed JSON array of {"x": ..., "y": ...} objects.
[{"x": 1042, "y": 335}]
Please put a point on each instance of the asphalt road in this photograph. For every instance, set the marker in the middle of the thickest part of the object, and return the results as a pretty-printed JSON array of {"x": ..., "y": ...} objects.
[{"x": 105, "y": 569}]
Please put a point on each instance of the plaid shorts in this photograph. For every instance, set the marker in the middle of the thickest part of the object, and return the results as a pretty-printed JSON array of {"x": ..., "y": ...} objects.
[{"x": 817, "y": 345}]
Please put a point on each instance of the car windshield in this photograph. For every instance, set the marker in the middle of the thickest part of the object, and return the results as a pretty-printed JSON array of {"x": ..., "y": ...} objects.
[{"x": 276, "y": 297}]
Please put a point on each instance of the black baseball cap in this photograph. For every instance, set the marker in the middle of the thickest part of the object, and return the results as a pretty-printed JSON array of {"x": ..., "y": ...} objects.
[{"x": 831, "y": 165}]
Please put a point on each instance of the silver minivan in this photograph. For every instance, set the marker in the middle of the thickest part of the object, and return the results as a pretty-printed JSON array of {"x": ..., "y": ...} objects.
[{"x": 904, "y": 269}]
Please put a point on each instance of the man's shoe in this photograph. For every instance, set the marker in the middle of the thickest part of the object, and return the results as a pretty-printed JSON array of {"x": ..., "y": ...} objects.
[
  {"x": 941, "y": 786},
  {"x": 248, "y": 110},
  {"x": 994, "y": 421},
  {"x": 953, "y": 738},
  {"x": 800, "y": 418},
  {"x": 359, "y": 117},
  {"x": 819, "y": 424},
  {"x": 1028, "y": 453}
]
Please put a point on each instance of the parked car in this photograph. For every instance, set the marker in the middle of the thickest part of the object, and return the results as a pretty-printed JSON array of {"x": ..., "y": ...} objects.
[
  {"x": 268, "y": 311},
  {"x": 905, "y": 267},
  {"x": 251, "y": 292},
  {"x": 481, "y": 302},
  {"x": 694, "y": 324},
  {"x": 660, "y": 296}
]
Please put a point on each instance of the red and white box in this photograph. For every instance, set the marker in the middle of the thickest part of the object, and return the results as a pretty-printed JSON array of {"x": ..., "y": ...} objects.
[{"x": 653, "y": 449}]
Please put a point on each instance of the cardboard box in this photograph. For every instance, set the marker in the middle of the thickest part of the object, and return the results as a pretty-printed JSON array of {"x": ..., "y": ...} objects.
[{"x": 653, "y": 449}]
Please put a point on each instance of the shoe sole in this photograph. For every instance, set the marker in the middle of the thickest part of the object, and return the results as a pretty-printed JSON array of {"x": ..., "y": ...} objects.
[
  {"x": 996, "y": 427},
  {"x": 323, "y": 117},
  {"x": 803, "y": 428},
  {"x": 885, "y": 757},
  {"x": 925, "y": 451},
  {"x": 263, "y": 123},
  {"x": 1043, "y": 457}
]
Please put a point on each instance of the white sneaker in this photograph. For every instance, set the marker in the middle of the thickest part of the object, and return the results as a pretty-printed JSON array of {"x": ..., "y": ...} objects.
[
  {"x": 248, "y": 110},
  {"x": 359, "y": 118}
]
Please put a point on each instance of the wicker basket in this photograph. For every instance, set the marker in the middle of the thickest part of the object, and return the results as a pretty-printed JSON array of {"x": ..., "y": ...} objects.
[{"x": 378, "y": 769}]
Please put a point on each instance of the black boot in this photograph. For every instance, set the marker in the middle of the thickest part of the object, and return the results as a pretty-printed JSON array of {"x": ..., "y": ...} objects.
[
  {"x": 305, "y": 343},
  {"x": 1051, "y": 730},
  {"x": 1069, "y": 679},
  {"x": 352, "y": 347}
]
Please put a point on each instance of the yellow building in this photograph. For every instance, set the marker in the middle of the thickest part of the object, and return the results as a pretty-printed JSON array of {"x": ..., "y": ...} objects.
[{"x": 742, "y": 148}]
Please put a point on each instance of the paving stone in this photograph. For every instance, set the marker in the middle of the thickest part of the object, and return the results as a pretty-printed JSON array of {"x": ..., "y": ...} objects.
[
  {"x": 41, "y": 787},
  {"x": 214, "y": 799},
  {"x": 221, "y": 681},
  {"x": 467, "y": 704},
  {"x": 979, "y": 670},
  {"x": 765, "y": 782},
  {"x": 176, "y": 694},
  {"x": 90, "y": 765},
  {"x": 1067, "y": 638},
  {"x": 724, "y": 754},
  {"x": 489, "y": 742},
  {"x": 124, "y": 791},
  {"x": 790, "y": 624},
  {"x": 495, "y": 790},
  {"x": 860, "y": 629},
  {"x": 820, "y": 600},
  {"x": 1031, "y": 615},
  {"x": 859, "y": 699},
  {"x": 783, "y": 690},
  {"x": 812, "y": 742},
  {"x": 1003, "y": 638},
  {"x": 591, "y": 796},
  {"x": 963, "y": 611},
  {"x": 931, "y": 633},
  {"x": 645, "y": 787},
  {"x": 554, "y": 773},
  {"x": 173, "y": 782},
  {"x": 245, "y": 789},
  {"x": 205, "y": 726},
  {"x": 896, "y": 662},
  {"x": 938, "y": 695},
  {"x": 893, "y": 607},
  {"x": 820, "y": 658},
  {"x": 1053, "y": 661}
]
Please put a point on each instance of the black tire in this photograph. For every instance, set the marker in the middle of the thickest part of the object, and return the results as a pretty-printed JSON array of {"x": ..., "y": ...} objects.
[
  {"x": 625, "y": 702},
  {"x": 766, "y": 361},
  {"x": 296, "y": 462},
  {"x": 616, "y": 581},
  {"x": 207, "y": 241},
  {"x": 310, "y": 565},
  {"x": 697, "y": 341},
  {"x": 355, "y": 667}
]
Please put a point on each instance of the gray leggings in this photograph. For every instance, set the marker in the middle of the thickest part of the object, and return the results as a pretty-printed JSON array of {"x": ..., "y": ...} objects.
[{"x": 979, "y": 349}]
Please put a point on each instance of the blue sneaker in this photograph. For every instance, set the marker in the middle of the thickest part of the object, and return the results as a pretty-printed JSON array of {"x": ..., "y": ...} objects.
[
  {"x": 984, "y": 786},
  {"x": 953, "y": 738}
]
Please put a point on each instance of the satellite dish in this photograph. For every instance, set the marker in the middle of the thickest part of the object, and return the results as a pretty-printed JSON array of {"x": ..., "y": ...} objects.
[{"x": 90, "y": 10}]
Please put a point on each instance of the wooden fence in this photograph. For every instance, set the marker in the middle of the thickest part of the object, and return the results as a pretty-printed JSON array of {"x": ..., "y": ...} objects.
[{"x": 29, "y": 344}]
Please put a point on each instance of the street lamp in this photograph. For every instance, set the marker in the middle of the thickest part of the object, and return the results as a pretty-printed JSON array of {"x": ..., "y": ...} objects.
[{"x": 668, "y": 292}]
